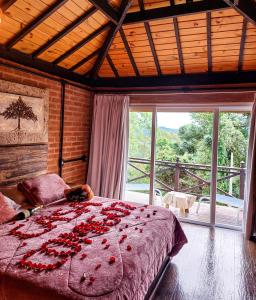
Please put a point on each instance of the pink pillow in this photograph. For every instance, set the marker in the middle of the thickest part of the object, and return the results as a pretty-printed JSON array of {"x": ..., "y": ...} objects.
[
  {"x": 43, "y": 189},
  {"x": 7, "y": 209}
]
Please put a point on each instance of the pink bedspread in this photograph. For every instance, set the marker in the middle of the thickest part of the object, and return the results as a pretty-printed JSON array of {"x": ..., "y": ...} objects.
[{"x": 118, "y": 264}]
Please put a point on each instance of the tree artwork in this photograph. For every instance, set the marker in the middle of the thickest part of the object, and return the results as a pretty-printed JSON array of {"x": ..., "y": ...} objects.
[{"x": 19, "y": 110}]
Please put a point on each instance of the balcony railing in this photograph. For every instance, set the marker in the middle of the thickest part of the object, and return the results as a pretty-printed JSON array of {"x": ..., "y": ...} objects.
[{"x": 179, "y": 170}]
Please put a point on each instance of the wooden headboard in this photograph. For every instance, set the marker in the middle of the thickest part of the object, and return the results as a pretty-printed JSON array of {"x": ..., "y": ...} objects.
[
  {"x": 22, "y": 161},
  {"x": 27, "y": 158}
]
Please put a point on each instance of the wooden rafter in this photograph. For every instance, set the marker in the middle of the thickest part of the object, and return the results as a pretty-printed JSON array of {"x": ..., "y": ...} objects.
[
  {"x": 174, "y": 11},
  {"x": 65, "y": 31},
  {"x": 106, "y": 9},
  {"x": 112, "y": 66},
  {"x": 82, "y": 43},
  {"x": 125, "y": 5},
  {"x": 150, "y": 39},
  {"x": 179, "y": 48},
  {"x": 129, "y": 52},
  {"x": 209, "y": 40},
  {"x": 5, "y": 4},
  {"x": 246, "y": 8},
  {"x": 152, "y": 47},
  {"x": 37, "y": 21},
  {"x": 242, "y": 44},
  {"x": 84, "y": 60}
]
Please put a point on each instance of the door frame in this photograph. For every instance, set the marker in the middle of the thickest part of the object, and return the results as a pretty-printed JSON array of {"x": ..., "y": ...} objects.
[{"x": 211, "y": 108}]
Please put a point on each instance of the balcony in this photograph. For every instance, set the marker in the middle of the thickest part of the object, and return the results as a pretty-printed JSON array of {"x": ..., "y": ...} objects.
[{"x": 192, "y": 179}]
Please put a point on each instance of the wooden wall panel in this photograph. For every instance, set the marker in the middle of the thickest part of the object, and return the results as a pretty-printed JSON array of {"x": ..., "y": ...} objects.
[{"x": 21, "y": 162}]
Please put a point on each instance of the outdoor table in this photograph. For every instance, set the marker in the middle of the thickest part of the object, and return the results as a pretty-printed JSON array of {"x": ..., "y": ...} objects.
[{"x": 179, "y": 200}]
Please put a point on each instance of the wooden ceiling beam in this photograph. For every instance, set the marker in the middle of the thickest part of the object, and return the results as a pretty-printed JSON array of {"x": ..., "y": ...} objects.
[
  {"x": 246, "y": 8},
  {"x": 64, "y": 32},
  {"x": 106, "y": 9},
  {"x": 84, "y": 60},
  {"x": 82, "y": 43},
  {"x": 174, "y": 11},
  {"x": 150, "y": 39},
  {"x": 129, "y": 52},
  {"x": 112, "y": 66},
  {"x": 178, "y": 42},
  {"x": 242, "y": 45},
  {"x": 183, "y": 81},
  {"x": 37, "y": 21},
  {"x": 5, "y": 4},
  {"x": 209, "y": 40},
  {"x": 152, "y": 47},
  {"x": 125, "y": 5}
]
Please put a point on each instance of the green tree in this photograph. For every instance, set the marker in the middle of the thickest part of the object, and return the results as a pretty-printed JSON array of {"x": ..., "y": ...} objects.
[{"x": 192, "y": 144}]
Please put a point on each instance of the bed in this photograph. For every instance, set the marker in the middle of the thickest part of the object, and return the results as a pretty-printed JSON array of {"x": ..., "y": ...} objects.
[{"x": 98, "y": 249}]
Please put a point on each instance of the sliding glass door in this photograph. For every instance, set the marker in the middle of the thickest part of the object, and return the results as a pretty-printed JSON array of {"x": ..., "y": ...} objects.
[
  {"x": 184, "y": 162},
  {"x": 191, "y": 161},
  {"x": 139, "y": 164},
  {"x": 232, "y": 156}
]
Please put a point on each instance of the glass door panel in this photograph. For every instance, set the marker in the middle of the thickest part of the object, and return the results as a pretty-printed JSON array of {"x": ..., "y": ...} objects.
[
  {"x": 139, "y": 164},
  {"x": 232, "y": 155},
  {"x": 183, "y": 163}
]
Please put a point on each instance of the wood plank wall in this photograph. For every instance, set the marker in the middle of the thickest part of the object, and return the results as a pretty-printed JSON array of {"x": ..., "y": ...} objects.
[{"x": 22, "y": 161}]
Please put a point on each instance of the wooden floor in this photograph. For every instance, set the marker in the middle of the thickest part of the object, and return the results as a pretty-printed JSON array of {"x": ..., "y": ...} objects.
[
  {"x": 224, "y": 215},
  {"x": 215, "y": 264}
]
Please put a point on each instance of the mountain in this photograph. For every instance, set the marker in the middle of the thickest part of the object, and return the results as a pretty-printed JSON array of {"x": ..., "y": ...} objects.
[{"x": 171, "y": 130}]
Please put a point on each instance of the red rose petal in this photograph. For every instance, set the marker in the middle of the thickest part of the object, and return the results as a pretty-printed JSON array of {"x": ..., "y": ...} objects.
[
  {"x": 98, "y": 266},
  {"x": 87, "y": 241},
  {"x": 112, "y": 259},
  {"x": 129, "y": 248}
]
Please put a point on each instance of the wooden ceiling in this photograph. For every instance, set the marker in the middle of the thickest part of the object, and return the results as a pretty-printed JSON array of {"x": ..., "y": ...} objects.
[{"x": 96, "y": 40}]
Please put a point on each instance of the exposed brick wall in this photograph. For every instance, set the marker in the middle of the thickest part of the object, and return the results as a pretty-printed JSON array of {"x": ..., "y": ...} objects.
[{"x": 77, "y": 126}]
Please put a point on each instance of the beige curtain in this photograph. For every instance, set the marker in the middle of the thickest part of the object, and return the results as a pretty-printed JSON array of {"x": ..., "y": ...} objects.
[
  {"x": 109, "y": 146},
  {"x": 250, "y": 210}
]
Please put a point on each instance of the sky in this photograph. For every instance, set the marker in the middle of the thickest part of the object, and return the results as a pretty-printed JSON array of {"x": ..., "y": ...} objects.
[{"x": 172, "y": 120}]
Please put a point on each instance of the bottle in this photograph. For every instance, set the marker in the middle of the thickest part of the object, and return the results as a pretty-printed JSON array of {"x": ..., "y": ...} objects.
[{"x": 26, "y": 213}]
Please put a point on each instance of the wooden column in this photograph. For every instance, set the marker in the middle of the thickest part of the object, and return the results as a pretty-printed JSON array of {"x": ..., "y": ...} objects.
[
  {"x": 177, "y": 175},
  {"x": 242, "y": 180}
]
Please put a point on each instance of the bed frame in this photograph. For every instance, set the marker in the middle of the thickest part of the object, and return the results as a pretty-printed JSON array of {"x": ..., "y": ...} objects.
[{"x": 157, "y": 280}]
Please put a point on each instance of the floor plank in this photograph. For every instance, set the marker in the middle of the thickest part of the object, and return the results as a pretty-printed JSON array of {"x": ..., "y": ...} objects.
[{"x": 216, "y": 264}]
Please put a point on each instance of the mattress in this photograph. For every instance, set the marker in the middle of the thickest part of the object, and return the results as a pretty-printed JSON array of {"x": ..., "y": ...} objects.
[{"x": 100, "y": 249}]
